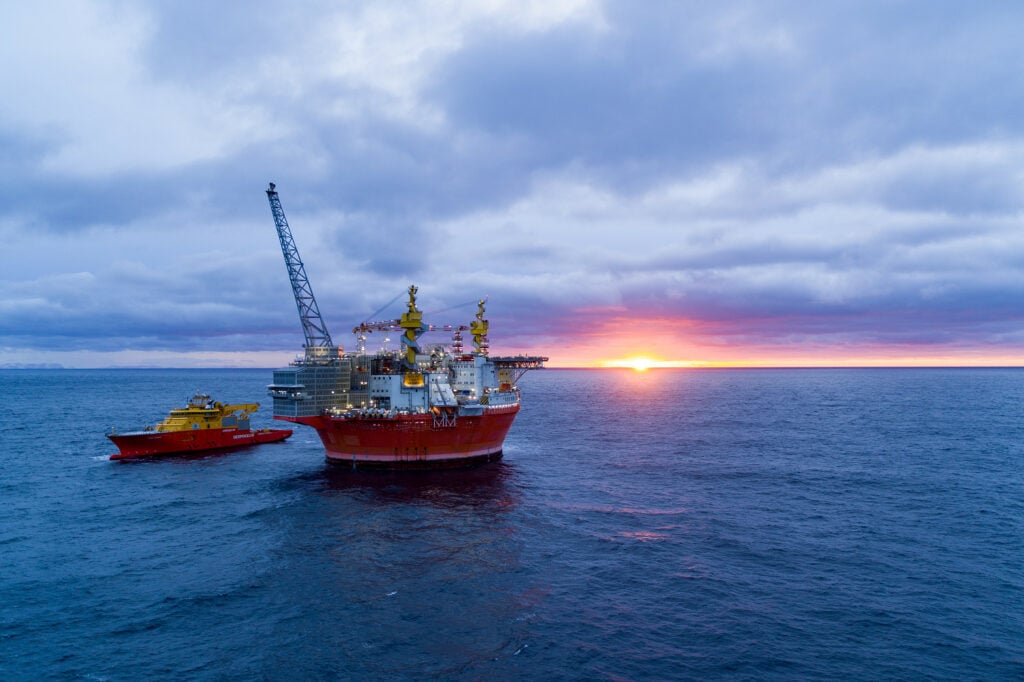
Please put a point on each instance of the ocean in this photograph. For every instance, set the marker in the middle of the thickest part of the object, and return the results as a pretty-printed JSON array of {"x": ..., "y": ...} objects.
[{"x": 856, "y": 524}]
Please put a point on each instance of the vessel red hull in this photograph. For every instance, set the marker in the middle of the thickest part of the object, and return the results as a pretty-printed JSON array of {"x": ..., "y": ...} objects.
[
  {"x": 153, "y": 443},
  {"x": 415, "y": 441}
]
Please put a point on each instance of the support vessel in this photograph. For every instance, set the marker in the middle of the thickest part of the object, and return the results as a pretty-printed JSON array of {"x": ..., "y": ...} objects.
[{"x": 201, "y": 425}]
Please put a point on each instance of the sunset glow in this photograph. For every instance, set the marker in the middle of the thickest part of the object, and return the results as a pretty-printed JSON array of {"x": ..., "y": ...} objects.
[{"x": 642, "y": 364}]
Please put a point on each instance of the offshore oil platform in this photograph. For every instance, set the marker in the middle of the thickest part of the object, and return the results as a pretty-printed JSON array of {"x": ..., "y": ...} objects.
[{"x": 417, "y": 406}]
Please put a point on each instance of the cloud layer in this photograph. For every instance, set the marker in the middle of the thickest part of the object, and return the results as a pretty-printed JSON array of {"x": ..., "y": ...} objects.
[{"x": 742, "y": 180}]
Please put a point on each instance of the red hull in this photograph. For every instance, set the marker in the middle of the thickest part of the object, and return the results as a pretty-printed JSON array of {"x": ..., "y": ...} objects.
[
  {"x": 152, "y": 443},
  {"x": 412, "y": 441}
]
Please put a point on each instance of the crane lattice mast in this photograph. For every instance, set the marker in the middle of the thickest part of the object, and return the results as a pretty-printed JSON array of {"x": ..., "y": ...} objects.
[{"x": 309, "y": 313}]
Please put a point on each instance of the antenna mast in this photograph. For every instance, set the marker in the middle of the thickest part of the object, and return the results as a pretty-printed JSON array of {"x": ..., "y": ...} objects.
[{"x": 313, "y": 325}]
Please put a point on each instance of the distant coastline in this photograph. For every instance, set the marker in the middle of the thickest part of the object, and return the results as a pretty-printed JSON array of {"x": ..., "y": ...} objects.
[{"x": 32, "y": 365}]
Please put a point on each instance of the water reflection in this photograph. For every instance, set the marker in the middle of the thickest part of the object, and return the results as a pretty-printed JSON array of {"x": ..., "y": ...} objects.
[
  {"x": 400, "y": 575},
  {"x": 489, "y": 485}
]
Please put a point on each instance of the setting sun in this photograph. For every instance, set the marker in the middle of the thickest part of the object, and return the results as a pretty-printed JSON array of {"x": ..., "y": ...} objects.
[{"x": 642, "y": 364}]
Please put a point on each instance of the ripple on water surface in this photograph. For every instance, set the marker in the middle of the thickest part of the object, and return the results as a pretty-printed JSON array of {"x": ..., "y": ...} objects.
[{"x": 854, "y": 524}]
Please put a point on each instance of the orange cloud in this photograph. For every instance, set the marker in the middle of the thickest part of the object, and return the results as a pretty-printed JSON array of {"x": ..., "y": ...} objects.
[{"x": 616, "y": 341}]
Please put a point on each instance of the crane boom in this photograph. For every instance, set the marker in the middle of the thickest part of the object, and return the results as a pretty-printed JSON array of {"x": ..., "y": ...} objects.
[{"x": 309, "y": 313}]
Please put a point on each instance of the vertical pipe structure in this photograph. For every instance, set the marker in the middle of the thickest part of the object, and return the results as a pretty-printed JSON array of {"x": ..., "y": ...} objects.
[
  {"x": 313, "y": 326},
  {"x": 478, "y": 328},
  {"x": 412, "y": 324}
]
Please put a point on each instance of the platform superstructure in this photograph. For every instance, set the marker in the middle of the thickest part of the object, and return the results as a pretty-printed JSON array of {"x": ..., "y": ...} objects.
[{"x": 418, "y": 406}]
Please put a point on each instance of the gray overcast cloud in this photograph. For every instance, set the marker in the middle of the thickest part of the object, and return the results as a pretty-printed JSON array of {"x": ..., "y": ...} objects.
[{"x": 706, "y": 182}]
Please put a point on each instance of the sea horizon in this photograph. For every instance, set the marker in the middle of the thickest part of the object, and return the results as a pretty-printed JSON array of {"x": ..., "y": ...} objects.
[{"x": 44, "y": 366}]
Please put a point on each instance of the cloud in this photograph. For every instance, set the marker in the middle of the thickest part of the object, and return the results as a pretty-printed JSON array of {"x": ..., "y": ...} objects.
[
  {"x": 812, "y": 250},
  {"x": 86, "y": 85},
  {"x": 593, "y": 98},
  {"x": 783, "y": 175}
]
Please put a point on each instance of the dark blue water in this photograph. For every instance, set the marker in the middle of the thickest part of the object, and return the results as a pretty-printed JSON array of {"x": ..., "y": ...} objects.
[{"x": 807, "y": 524}]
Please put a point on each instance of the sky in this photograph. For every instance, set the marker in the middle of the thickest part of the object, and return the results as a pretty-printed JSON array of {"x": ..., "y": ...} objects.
[{"x": 697, "y": 184}]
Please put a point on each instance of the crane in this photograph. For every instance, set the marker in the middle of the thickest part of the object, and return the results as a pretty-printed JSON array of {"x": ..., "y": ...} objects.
[{"x": 313, "y": 325}]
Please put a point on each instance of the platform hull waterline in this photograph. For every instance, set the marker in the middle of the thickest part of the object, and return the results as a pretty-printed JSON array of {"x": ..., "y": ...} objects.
[{"x": 419, "y": 441}]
